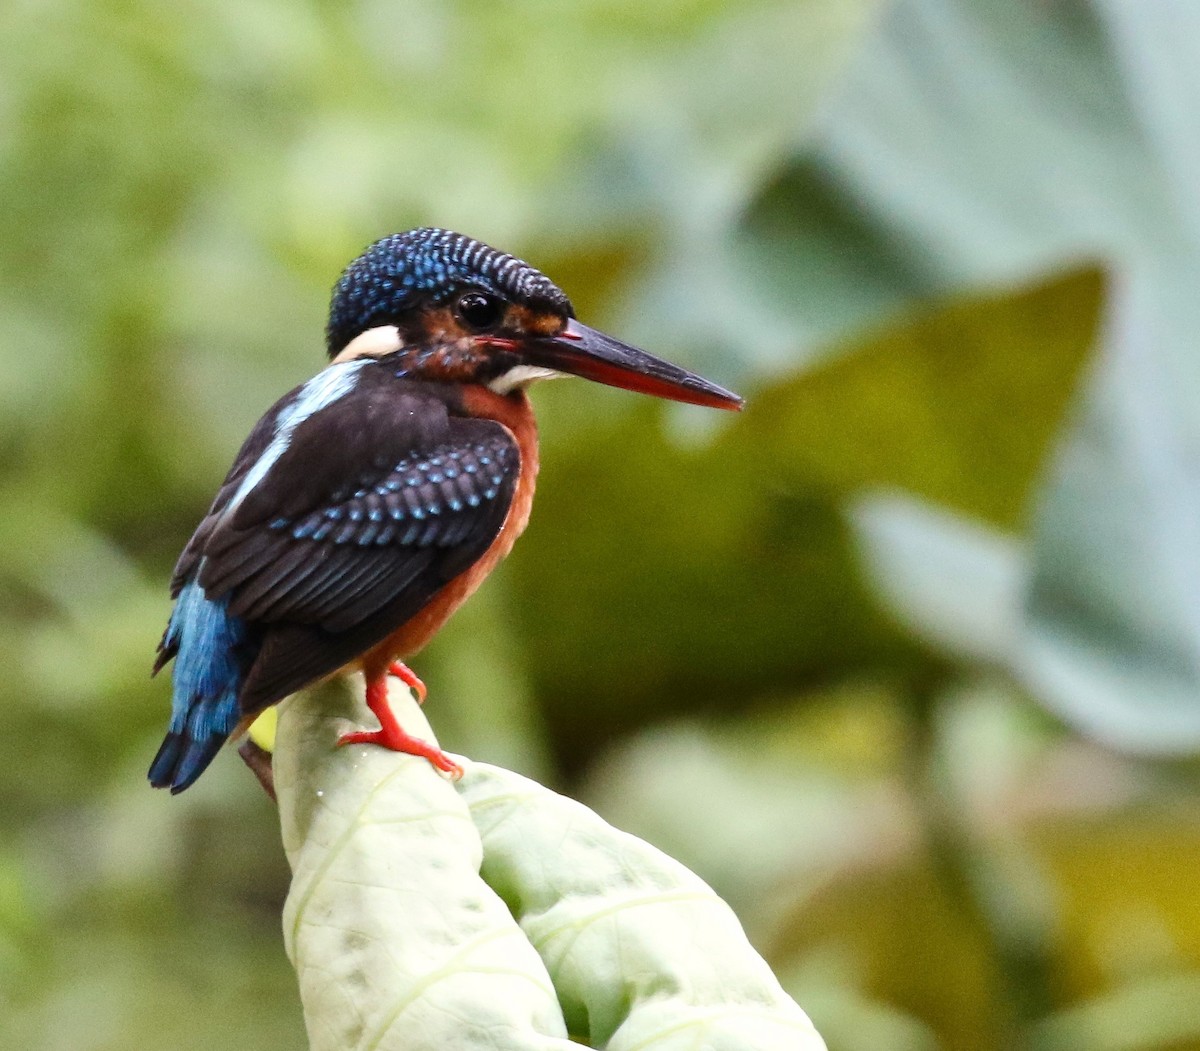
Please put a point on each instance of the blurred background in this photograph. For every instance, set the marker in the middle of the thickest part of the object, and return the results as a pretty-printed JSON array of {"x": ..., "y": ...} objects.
[{"x": 921, "y": 628}]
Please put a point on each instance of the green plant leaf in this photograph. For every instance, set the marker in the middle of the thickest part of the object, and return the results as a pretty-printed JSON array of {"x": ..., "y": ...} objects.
[
  {"x": 917, "y": 182},
  {"x": 953, "y": 581},
  {"x": 398, "y": 942}
]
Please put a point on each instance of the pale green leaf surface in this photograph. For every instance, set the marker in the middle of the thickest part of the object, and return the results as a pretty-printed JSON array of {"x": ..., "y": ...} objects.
[
  {"x": 396, "y": 941},
  {"x": 968, "y": 143},
  {"x": 956, "y": 582},
  {"x": 642, "y": 951},
  {"x": 399, "y": 942},
  {"x": 1113, "y": 636}
]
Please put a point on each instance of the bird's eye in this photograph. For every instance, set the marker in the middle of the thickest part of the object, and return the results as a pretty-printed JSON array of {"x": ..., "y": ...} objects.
[{"x": 477, "y": 310}]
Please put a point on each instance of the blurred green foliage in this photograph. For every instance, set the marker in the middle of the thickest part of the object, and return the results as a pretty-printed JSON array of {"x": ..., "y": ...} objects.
[{"x": 919, "y": 628}]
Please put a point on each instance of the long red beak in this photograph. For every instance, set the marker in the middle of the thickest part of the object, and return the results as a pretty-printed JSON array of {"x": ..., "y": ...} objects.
[{"x": 582, "y": 351}]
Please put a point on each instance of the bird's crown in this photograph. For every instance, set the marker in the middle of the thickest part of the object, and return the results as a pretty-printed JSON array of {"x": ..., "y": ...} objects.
[{"x": 427, "y": 267}]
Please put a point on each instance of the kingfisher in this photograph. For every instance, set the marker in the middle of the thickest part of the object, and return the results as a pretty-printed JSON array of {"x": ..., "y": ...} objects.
[{"x": 370, "y": 502}]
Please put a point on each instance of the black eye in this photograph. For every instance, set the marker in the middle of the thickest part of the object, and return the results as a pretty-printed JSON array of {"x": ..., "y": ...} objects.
[{"x": 477, "y": 310}]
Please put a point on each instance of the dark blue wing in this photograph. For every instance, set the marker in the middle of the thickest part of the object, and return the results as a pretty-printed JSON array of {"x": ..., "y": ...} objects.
[
  {"x": 354, "y": 501},
  {"x": 378, "y": 501},
  {"x": 425, "y": 518}
]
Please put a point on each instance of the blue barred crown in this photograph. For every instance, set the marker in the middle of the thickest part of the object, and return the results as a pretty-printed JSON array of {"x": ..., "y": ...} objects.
[{"x": 429, "y": 265}]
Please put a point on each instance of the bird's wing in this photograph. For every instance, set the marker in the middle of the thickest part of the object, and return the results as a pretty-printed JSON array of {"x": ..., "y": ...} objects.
[
  {"x": 251, "y": 451},
  {"x": 350, "y": 519}
]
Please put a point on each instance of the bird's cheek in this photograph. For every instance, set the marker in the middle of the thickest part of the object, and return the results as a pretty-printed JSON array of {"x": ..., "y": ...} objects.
[{"x": 440, "y": 326}]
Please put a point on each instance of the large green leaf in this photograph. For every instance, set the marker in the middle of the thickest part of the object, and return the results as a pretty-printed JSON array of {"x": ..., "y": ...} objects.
[
  {"x": 972, "y": 141},
  {"x": 959, "y": 405},
  {"x": 498, "y": 916},
  {"x": 655, "y": 574}
]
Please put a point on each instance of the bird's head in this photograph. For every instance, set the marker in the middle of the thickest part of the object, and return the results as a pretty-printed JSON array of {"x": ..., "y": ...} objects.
[{"x": 453, "y": 310}]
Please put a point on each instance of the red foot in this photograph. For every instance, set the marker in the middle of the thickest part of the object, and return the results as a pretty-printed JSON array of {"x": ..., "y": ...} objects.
[
  {"x": 391, "y": 735},
  {"x": 406, "y": 675}
]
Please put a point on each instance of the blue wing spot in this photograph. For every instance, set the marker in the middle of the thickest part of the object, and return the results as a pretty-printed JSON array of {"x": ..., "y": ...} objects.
[
  {"x": 489, "y": 494},
  {"x": 435, "y": 477},
  {"x": 304, "y": 529},
  {"x": 280, "y": 523},
  {"x": 333, "y": 513},
  {"x": 323, "y": 531},
  {"x": 473, "y": 500},
  {"x": 375, "y": 514}
]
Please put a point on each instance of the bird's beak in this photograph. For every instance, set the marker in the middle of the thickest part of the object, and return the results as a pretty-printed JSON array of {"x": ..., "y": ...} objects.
[{"x": 582, "y": 351}]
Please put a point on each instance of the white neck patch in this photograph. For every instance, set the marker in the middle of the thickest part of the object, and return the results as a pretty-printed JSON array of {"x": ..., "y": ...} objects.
[
  {"x": 521, "y": 376},
  {"x": 327, "y": 386},
  {"x": 374, "y": 343}
]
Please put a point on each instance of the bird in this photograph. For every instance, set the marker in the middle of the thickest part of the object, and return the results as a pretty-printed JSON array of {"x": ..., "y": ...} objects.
[{"x": 370, "y": 502}]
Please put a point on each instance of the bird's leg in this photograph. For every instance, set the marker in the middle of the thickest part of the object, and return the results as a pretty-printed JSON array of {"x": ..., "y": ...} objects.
[
  {"x": 259, "y": 760},
  {"x": 407, "y": 676},
  {"x": 391, "y": 735}
]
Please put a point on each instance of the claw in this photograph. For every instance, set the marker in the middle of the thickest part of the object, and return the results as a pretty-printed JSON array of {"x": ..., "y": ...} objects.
[
  {"x": 406, "y": 675},
  {"x": 408, "y": 744}
]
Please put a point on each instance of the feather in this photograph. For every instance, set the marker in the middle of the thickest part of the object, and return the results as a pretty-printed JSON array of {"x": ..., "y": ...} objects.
[{"x": 355, "y": 501}]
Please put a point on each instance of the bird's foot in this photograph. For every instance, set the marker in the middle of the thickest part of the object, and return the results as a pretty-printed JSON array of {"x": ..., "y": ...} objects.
[
  {"x": 401, "y": 671},
  {"x": 399, "y": 741},
  {"x": 392, "y": 735}
]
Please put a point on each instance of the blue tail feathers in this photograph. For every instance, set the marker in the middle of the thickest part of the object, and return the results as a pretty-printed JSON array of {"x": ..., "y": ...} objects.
[{"x": 212, "y": 652}]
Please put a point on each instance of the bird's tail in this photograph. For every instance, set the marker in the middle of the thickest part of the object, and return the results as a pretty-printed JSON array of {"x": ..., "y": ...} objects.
[
  {"x": 210, "y": 651},
  {"x": 186, "y": 752}
]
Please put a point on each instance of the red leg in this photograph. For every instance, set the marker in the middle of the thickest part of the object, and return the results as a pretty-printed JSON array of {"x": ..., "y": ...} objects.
[
  {"x": 407, "y": 676},
  {"x": 390, "y": 735}
]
